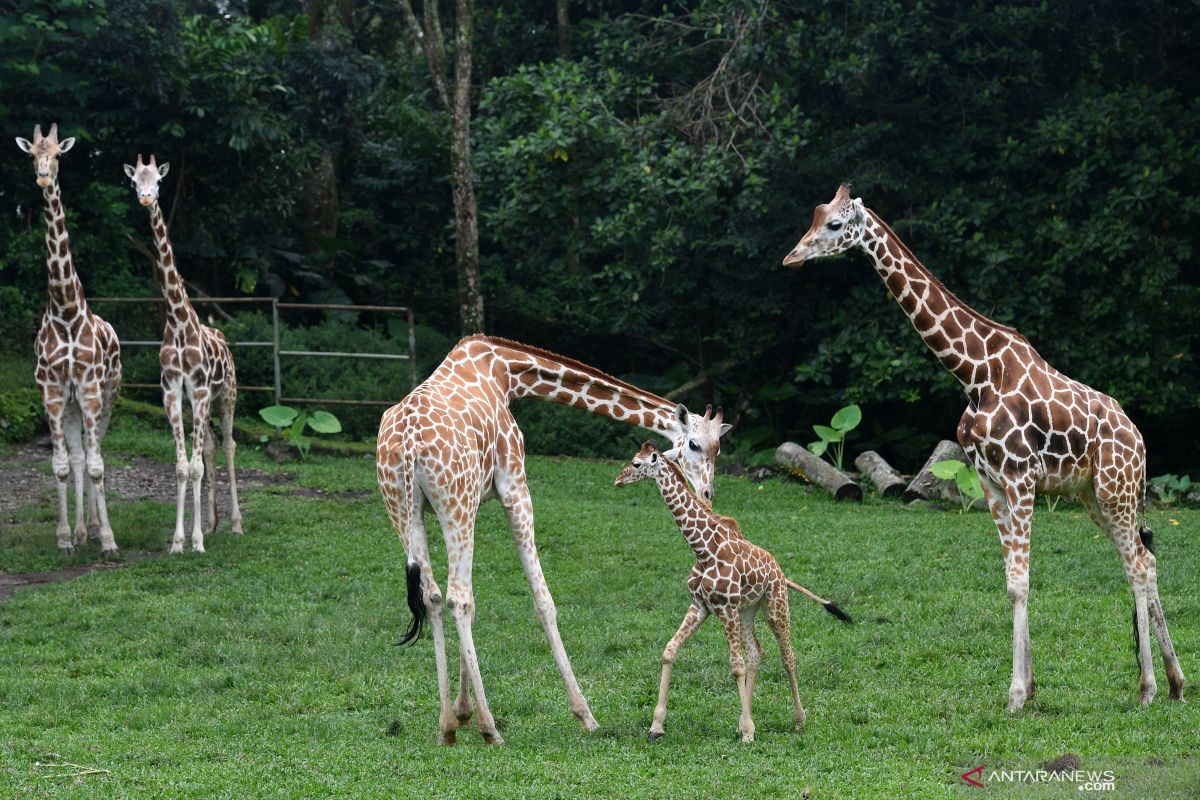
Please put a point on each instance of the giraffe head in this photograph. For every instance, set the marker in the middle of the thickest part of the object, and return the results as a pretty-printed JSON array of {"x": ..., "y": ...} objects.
[
  {"x": 646, "y": 464},
  {"x": 146, "y": 178},
  {"x": 45, "y": 151},
  {"x": 695, "y": 443},
  {"x": 836, "y": 227}
]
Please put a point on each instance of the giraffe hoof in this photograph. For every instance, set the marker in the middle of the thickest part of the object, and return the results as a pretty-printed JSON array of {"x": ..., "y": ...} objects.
[
  {"x": 589, "y": 723},
  {"x": 68, "y": 550},
  {"x": 176, "y": 548},
  {"x": 80, "y": 537},
  {"x": 1146, "y": 697},
  {"x": 109, "y": 553},
  {"x": 448, "y": 739},
  {"x": 492, "y": 738},
  {"x": 654, "y": 736}
]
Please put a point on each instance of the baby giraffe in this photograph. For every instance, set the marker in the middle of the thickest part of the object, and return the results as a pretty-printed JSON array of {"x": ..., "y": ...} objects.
[{"x": 732, "y": 578}]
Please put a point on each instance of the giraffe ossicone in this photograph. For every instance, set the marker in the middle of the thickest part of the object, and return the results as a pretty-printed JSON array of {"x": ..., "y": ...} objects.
[
  {"x": 732, "y": 579},
  {"x": 196, "y": 362},
  {"x": 1027, "y": 428},
  {"x": 452, "y": 444},
  {"x": 78, "y": 370}
]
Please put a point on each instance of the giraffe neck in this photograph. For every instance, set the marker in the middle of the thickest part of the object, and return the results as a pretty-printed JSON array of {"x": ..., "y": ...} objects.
[
  {"x": 66, "y": 300},
  {"x": 695, "y": 521},
  {"x": 532, "y": 372},
  {"x": 179, "y": 309},
  {"x": 961, "y": 338}
]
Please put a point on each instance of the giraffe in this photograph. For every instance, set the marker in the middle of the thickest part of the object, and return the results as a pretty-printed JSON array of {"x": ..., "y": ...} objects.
[
  {"x": 1028, "y": 428},
  {"x": 452, "y": 444},
  {"x": 732, "y": 579},
  {"x": 195, "y": 359},
  {"x": 78, "y": 363}
]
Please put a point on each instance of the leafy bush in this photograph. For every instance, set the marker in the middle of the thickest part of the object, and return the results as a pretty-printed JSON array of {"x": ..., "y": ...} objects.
[{"x": 20, "y": 414}]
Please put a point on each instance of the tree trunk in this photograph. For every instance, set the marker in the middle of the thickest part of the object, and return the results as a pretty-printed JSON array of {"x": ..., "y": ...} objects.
[
  {"x": 564, "y": 30},
  {"x": 795, "y": 458},
  {"x": 927, "y": 486},
  {"x": 887, "y": 481}
]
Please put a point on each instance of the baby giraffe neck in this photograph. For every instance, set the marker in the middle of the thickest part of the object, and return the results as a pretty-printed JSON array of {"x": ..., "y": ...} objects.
[{"x": 692, "y": 517}]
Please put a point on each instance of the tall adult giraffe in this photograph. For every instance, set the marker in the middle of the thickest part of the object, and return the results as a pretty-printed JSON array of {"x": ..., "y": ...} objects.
[
  {"x": 78, "y": 361},
  {"x": 452, "y": 444},
  {"x": 1028, "y": 428},
  {"x": 195, "y": 359}
]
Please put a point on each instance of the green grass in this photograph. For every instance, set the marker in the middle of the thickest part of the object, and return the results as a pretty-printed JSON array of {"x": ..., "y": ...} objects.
[{"x": 266, "y": 667}]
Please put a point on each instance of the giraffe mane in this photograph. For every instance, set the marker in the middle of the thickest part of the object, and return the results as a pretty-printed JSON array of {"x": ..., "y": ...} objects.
[
  {"x": 573, "y": 364},
  {"x": 937, "y": 282}
]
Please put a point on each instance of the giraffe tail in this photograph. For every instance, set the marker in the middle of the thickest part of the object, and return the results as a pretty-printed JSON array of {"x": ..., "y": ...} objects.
[
  {"x": 828, "y": 605},
  {"x": 410, "y": 506}
]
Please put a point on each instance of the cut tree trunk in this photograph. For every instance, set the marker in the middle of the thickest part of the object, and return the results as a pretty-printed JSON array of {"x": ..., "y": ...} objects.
[
  {"x": 927, "y": 486},
  {"x": 887, "y": 481},
  {"x": 795, "y": 458}
]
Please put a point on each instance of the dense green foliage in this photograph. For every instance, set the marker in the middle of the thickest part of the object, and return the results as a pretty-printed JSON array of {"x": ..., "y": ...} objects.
[
  {"x": 266, "y": 668},
  {"x": 636, "y": 198}
]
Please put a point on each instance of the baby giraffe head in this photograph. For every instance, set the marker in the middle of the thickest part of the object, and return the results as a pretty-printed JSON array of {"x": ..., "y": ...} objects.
[
  {"x": 646, "y": 464},
  {"x": 45, "y": 151},
  {"x": 146, "y": 178},
  {"x": 836, "y": 227}
]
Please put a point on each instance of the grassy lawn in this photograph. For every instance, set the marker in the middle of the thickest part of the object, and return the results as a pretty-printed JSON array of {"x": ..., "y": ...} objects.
[{"x": 265, "y": 668}]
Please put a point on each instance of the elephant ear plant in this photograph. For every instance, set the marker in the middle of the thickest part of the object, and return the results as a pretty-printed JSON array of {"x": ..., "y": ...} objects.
[
  {"x": 965, "y": 478},
  {"x": 833, "y": 435},
  {"x": 291, "y": 424}
]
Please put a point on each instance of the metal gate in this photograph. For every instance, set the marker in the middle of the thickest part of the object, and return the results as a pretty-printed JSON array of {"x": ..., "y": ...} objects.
[{"x": 277, "y": 352}]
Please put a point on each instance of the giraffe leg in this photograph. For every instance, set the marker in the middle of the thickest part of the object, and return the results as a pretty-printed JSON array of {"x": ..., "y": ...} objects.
[
  {"x": 1117, "y": 517},
  {"x": 54, "y": 402},
  {"x": 514, "y": 495},
  {"x": 92, "y": 407},
  {"x": 695, "y": 615},
  {"x": 228, "y": 404},
  {"x": 173, "y": 403},
  {"x": 417, "y": 547},
  {"x": 732, "y": 624},
  {"x": 780, "y": 622},
  {"x": 73, "y": 429},
  {"x": 1012, "y": 511},
  {"x": 201, "y": 405},
  {"x": 93, "y": 523},
  {"x": 751, "y": 646},
  {"x": 463, "y": 707},
  {"x": 210, "y": 447},
  {"x": 1165, "y": 646}
]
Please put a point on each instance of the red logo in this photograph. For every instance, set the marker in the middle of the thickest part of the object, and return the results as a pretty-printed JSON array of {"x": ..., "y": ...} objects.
[{"x": 978, "y": 771}]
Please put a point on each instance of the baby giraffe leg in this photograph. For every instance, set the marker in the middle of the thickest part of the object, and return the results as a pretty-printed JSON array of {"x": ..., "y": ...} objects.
[
  {"x": 751, "y": 647},
  {"x": 696, "y": 614},
  {"x": 737, "y": 664},
  {"x": 780, "y": 623}
]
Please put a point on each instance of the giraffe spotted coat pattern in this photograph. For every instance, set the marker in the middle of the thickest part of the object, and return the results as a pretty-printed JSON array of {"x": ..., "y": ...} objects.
[
  {"x": 732, "y": 579},
  {"x": 1027, "y": 428},
  {"x": 452, "y": 444},
  {"x": 78, "y": 369},
  {"x": 195, "y": 361}
]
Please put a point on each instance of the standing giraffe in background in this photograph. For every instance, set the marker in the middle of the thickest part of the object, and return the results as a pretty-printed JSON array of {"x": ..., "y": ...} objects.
[
  {"x": 78, "y": 362},
  {"x": 1028, "y": 428},
  {"x": 732, "y": 578},
  {"x": 196, "y": 359},
  {"x": 453, "y": 443}
]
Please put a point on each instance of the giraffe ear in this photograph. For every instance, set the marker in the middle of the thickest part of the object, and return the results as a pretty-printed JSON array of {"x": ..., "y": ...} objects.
[
  {"x": 129, "y": 170},
  {"x": 681, "y": 415},
  {"x": 860, "y": 210},
  {"x": 672, "y": 454},
  {"x": 24, "y": 144},
  {"x": 725, "y": 428},
  {"x": 163, "y": 168},
  {"x": 65, "y": 145},
  {"x": 654, "y": 457}
]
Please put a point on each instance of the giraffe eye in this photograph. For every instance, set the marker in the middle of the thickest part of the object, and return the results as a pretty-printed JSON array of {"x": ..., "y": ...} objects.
[
  {"x": 835, "y": 225},
  {"x": 695, "y": 448}
]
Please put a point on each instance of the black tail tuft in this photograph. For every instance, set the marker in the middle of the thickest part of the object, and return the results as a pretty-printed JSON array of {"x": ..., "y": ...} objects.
[
  {"x": 832, "y": 608},
  {"x": 415, "y": 604},
  {"x": 1147, "y": 537}
]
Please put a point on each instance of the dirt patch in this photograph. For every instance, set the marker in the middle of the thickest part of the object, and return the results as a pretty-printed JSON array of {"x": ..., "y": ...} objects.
[
  {"x": 1068, "y": 762},
  {"x": 12, "y": 583},
  {"x": 24, "y": 482}
]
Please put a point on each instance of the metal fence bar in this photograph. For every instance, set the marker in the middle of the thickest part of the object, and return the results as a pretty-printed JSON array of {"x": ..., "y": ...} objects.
[{"x": 275, "y": 343}]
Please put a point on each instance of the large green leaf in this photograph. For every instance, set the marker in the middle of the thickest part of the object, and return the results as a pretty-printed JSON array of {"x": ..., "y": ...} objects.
[
  {"x": 828, "y": 434},
  {"x": 968, "y": 483},
  {"x": 818, "y": 448},
  {"x": 847, "y": 419},
  {"x": 279, "y": 416},
  {"x": 947, "y": 470},
  {"x": 324, "y": 422}
]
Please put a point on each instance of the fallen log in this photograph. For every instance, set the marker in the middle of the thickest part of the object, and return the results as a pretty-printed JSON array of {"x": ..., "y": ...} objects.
[
  {"x": 927, "y": 486},
  {"x": 797, "y": 459},
  {"x": 887, "y": 481}
]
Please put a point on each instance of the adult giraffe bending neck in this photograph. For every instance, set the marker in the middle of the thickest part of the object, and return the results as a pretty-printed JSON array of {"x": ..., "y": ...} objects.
[
  {"x": 195, "y": 358},
  {"x": 78, "y": 361},
  {"x": 1028, "y": 428},
  {"x": 452, "y": 444}
]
